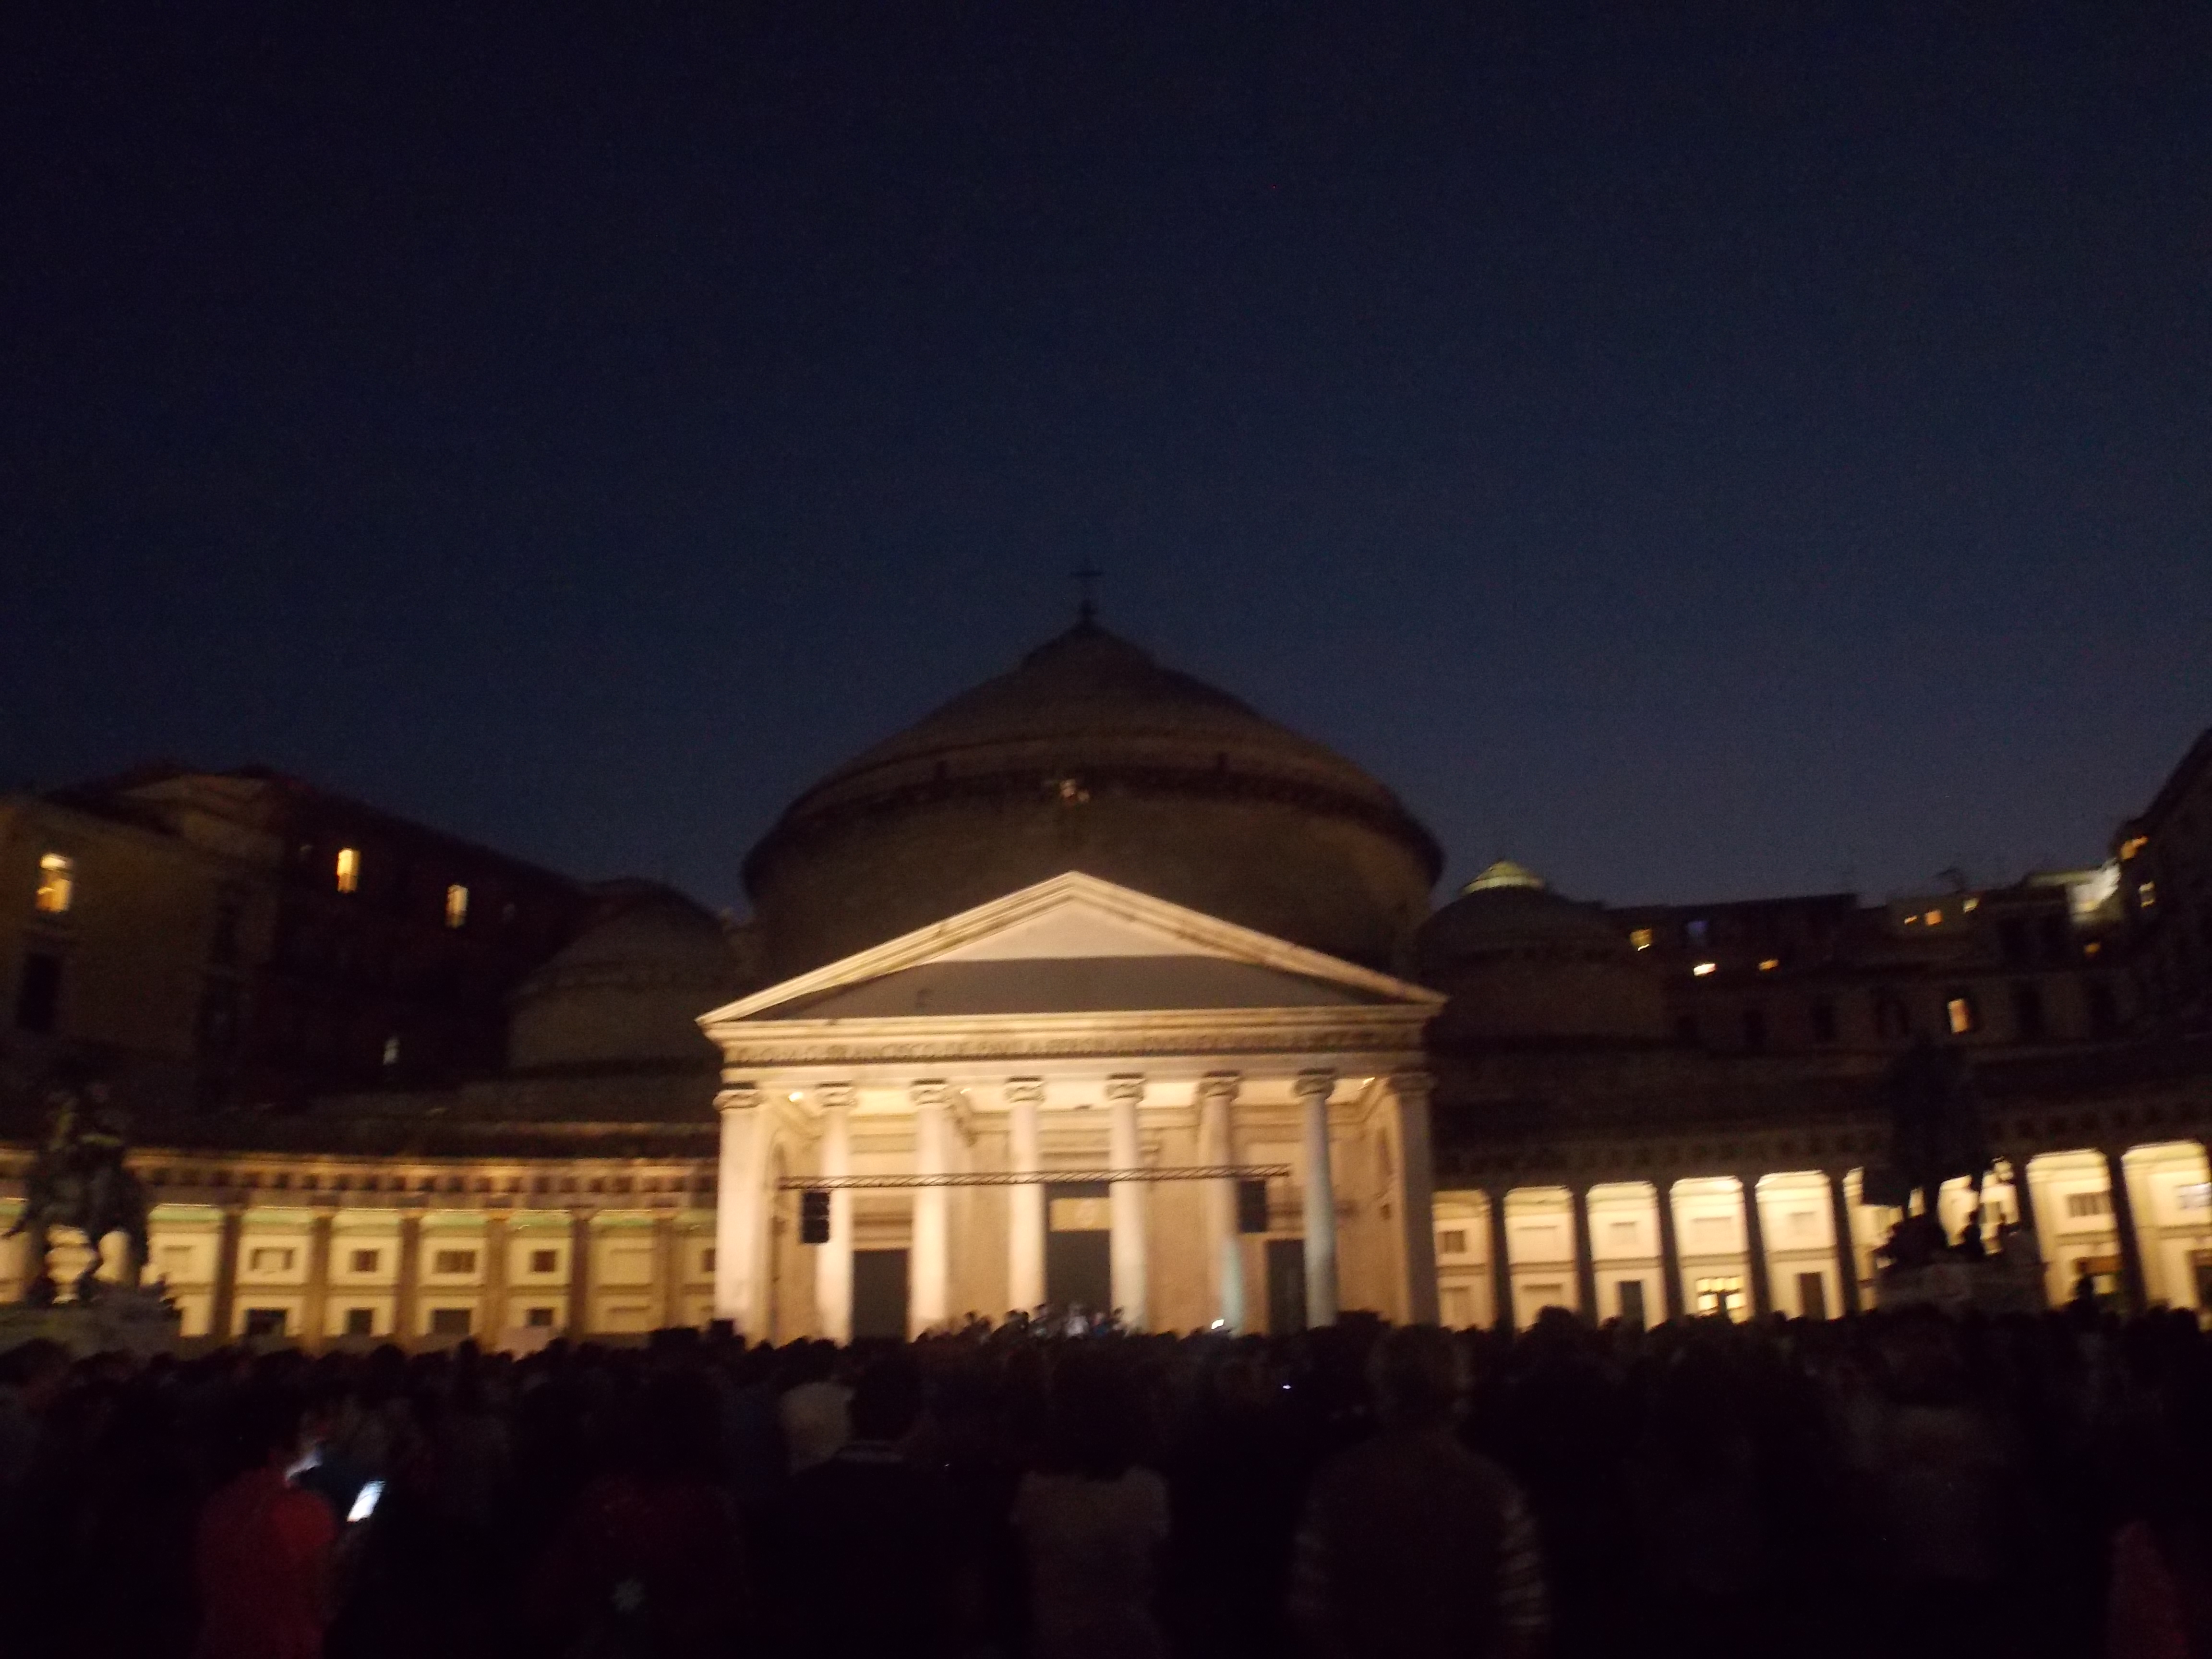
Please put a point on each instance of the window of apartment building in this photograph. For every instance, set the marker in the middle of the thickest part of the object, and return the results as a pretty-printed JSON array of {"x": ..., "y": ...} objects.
[
  {"x": 1453, "y": 1242},
  {"x": 2147, "y": 895},
  {"x": 1821, "y": 1014},
  {"x": 38, "y": 992},
  {"x": 706, "y": 1259},
  {"x": 453, "y": 1262},
  {"x": 1640, "y": 937},
  {"x": 451, "y": 1321},
  {"x": 2080, "y": 1205},
  {"x": 1959, "y": 1010},
  {"x": 545, "y": 1262},
  {"x": 364, "y": 1261},
  {"x": 457, "y": 905},
  {"x": 538, "y": 1319},
  {"x": 265, "y": 1322},
  {"x": 57, "y": 884},
  {"x": 268, "y": 1259},
  {"x": 2027, "y": 1022},
  {"x": 361, "y": 1322},
  {"x": 348, "y": 869}
]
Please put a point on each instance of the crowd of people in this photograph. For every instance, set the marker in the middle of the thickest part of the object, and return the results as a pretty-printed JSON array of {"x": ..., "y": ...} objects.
[{"x": 1901, "y": 1483}]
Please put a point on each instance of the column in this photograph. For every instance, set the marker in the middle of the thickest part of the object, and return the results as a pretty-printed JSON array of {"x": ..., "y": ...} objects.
[
  {"x": 1126, "y": 1201},
  {"x": 1585, "y": 1254},
  {"x": 1224, "y": 1245},
  {"x": 741, "y": 1207},
  {"x": 667, "y": 1296},
  {"x": 315, "y": 1315},
  {"x": 1417, "y": 1198},
  {"x": 1755, "y": 1248},
  {"x": 2132, "y": 1291},
  {"x": 832, "y": 1262},
  {"x": 1025, "y": 1204},
  {"x": 407, "y": 1302},
  {"x": 1313, "y": 1089},
  {"x": 2023, "y": 1199},
  {"x": 222, "y": 1310},
  {"x": 1847, "y": 1240},
  {"x": 496, "y": 1321},
  {"x": 1501, "y": 1260},
  {"x": 580, "y": 1274},
  {"x": 1670, "y": 1250},
  {"x": 929, "y": 1302}
]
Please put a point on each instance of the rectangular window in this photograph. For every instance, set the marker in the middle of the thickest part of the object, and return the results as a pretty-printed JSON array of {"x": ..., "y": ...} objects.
[
  {"x": 457, "y": 905},
  {"x": 451, "y": 1321},
  {"x": 1453, "y": 1242},
  {"x": 349, "y": 869},
  {"x": 1705, "y": 970},
  {"x": 270, "y": 1260},
  {"x": 364, "y": 1261},
  {"x": 2082, "y": 1205},
  {"x": 453, "y": 1262},
  {"x": 57, "y": 884},
  {"x": 706, "y": 1259},
  {"x": 1959, "y": 1011},
  {"x": 38, "y": 992},
  {"x": 361, "y": 1322},
  {"x": 1640, "y": 937},
  {"x": 538, "y": 1319},
  {"x": 2193, "y": 1195},
  {"x": 545, "y": 1262},
  {"x": 2147, "y": 895}
]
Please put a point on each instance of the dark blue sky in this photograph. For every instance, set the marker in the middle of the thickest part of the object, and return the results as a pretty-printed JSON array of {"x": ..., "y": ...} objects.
[{"x": 1754, "y": 453}]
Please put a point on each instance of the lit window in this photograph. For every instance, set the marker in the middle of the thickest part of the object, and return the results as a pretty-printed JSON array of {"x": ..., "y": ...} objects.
[
  {"x": 2146, "y": 895},
  {"x": 1934, "y": 918},
  {"x": 2193, "y": 1195},
  {"x": 56, "y": 883},
  {"x": 2082, "y": 1205},
  {"x": 1971, "y": 903},
  {"x": 2133, "y": 845},
  {"x": 457, "y": 905},
  {"x": 391, "y": 1051},
  {"x": 1640, "y": 937},
  {"x": 1912, "y": 921},
  {"x": 2092, "y": 947},
  {"x": 1960, "y": 1009},
  {"x": 1706, "y": 967},
  {"x": 349, "y": 869},
  {"x": 1769, "y": 965}
]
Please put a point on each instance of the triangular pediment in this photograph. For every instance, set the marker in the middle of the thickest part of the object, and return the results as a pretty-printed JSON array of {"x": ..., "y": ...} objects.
[{"x": 1073, "y": 945}]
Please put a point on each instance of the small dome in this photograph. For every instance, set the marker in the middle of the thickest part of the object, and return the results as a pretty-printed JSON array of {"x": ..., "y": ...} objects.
[
  {"x": 1524, "y": 963},
  {"x": 626, "y": 991}
]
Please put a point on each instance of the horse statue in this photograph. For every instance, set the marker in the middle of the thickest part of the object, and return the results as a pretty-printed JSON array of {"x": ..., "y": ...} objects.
[{"x": 79, "y": 1181}]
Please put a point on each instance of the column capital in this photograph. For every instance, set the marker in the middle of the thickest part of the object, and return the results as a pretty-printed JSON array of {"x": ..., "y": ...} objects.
[
  {"x": 1024, "y": 1090},
  {"x": 1316, "y": 1080},
  {"x": 1126, "y": 1085},
  {"x": 930, "y": 1091},
  {"x": 1221, "y": 1086},
  {"x": 739, "y": 1096},
  {"x": 835, "y": 1096}
]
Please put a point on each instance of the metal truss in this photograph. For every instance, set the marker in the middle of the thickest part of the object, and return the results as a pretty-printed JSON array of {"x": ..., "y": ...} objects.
[{"x": 1039, "y": 1177}]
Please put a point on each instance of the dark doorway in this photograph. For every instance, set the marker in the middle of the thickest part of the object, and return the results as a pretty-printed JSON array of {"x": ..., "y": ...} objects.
[
  {"x": 879, "y": 1293},
  {"x": 1630, "y": 1291},
  {"x": 265, "y": 1322},
  {"x": 1078, "y": 1246},
  {"x": 1812, "y": 1296},
  {"x": 1286, "y": 1286}
]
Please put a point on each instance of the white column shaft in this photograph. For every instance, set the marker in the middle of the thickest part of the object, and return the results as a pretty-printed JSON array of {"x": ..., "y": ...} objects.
[
  {"x": 1217, "y": 1144},
  {"x": 1320, "y": 1208},
  {"x": 741, "y": 1218},
  {"x": 1418, "y": 1181},
  {"x": 832, "y": 1262},
  {"x": 1125, "y": 1206},
  {"x": 1025, "y": 1206},
  {"x": 929, "y": 1300}
]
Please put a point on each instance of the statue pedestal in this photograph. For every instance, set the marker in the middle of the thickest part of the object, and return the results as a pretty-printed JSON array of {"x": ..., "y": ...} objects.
[
  {"x": 1995, "y": 1286},
  {"x": 136, "y": 1323}
]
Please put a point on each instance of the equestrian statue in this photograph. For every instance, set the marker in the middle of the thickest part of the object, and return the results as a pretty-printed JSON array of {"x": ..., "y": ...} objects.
[{"x": 79, "y": 1181}]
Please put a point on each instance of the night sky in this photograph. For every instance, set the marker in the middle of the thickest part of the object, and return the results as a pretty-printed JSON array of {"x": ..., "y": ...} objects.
[{"x": 1761, "y": 451}]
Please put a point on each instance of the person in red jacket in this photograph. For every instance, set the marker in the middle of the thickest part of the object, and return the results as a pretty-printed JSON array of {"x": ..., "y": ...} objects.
[{"x": 262, "y": 1555}]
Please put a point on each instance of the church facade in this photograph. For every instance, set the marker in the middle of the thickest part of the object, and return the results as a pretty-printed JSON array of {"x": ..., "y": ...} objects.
[{"x": 1093, "y": 987}]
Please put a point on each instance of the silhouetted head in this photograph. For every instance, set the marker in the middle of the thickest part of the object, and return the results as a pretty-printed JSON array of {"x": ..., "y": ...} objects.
[
  {"x": 886, "y": 1398},
  {"x": 1417, "y": 1377}
]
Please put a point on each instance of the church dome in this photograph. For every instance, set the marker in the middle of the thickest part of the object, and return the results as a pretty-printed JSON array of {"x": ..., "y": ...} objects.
[
  {"x": 1089, "y": 756},
  {"x": 626, "y": 992},
  {"x": 1522, "y": 963}
]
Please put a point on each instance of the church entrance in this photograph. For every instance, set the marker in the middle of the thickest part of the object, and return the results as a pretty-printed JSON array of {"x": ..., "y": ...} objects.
[
  {"x": 879, "y": 1294},
  {"x": 1078, "y": 1257},
  {"x": 1287, "y": 1287}
]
